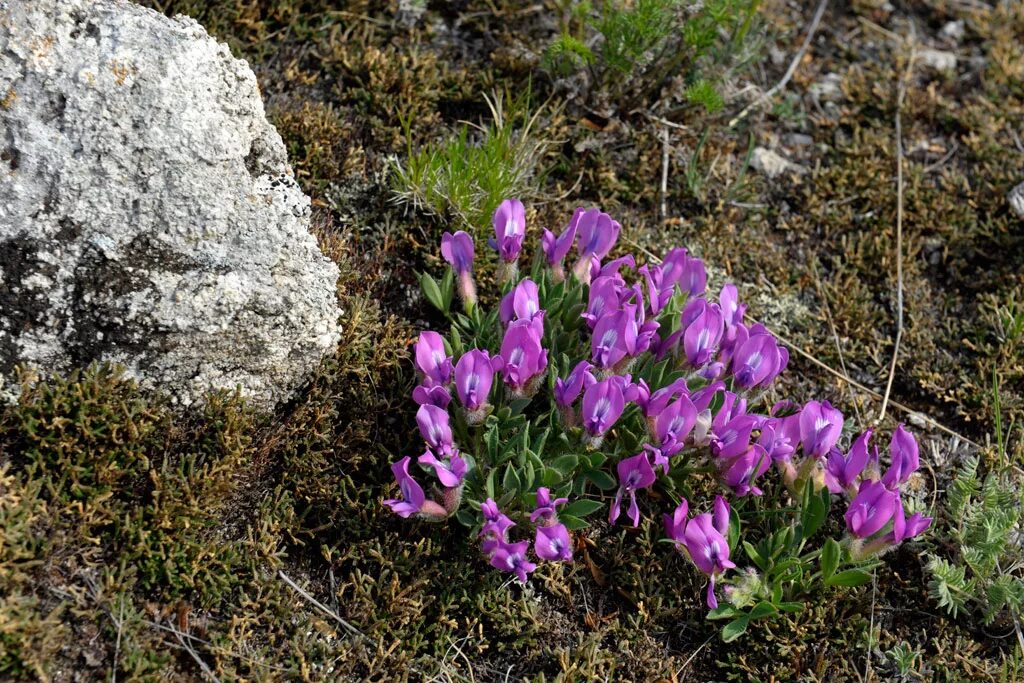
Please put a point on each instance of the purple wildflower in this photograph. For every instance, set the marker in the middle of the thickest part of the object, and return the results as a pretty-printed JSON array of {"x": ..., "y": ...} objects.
[
  {"x": 432, "y": 394},
  {"x": 603, "y": 403},
  {"x": 435, "y": 428},
  {"x": 684, "y": 271},
  {"x": 509, "y": 229},
  {"x": 842, "y": 471},
  {"x": 732, "y": 309},
  {"x": 703, "y": 539},
  {"x": 457, "y": 250},
  {"x": 634, "y": 473},
  {"x": 495, "y": 527},
  {"x": 511, "y": 557},
  {"x": 905, "y": 458},
  {"x": 545, "y": 510},
  {"x": 659, "y": 293},
  {"x": 449, "y": 471},
  {"x": 553, "y": 543},
  {"x": 741, "y": 471},
  {"x": 524, "y": 359},
  {"x": 605, "y": 296},
  {"x": 597, "y": 234},
  {"x": 413, "y": 500},
  {"x": 821, "y": 425},
  {"x": 474, "y": 375},
  {"x": 757, "y": 360},
  {"x": 432, "y": 360},
  {"x": 732, "y": 438},
  {"x": 556, "y": 248},
  {"x": 675, "y": 421},
  {"x": 568, "y": 390},
  {"x": 700, "y": 340},
  {"x": 871, "y": 509}
]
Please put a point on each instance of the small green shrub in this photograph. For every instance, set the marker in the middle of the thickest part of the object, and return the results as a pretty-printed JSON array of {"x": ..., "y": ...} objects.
[
  {"x": 467, "y": 175},
  {"x": 640, "y": 47},
  {"x": 985, "y": 574}
]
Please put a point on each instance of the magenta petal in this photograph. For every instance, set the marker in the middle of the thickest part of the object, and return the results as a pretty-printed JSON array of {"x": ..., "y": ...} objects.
[{"x": 712, "y": 600}]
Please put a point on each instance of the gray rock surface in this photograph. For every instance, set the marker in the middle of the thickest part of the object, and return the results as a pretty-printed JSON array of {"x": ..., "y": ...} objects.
[
  {"x": 148, "y": 215},
  {"x": 1016, "y": 200}
]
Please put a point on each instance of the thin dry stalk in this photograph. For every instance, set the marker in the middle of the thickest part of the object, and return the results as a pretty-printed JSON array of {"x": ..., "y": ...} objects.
[
  {"x": 797, "y": 58},
  {"x": 319, "y": 605},
  {"x": 187, "y": 647},
  {"x": 835, "y": 336},
  {"x": 901, "y": 95},
  {"x": 664, "y": 173},
  {"x": 117, "y": 645}
]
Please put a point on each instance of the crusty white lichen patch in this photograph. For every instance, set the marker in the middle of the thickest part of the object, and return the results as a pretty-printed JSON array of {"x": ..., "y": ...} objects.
[{"x": 148, "y": 215}]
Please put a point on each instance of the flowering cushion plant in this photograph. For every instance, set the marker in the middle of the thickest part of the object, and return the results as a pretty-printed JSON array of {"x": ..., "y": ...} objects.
[{"x": 595, "y": 384}]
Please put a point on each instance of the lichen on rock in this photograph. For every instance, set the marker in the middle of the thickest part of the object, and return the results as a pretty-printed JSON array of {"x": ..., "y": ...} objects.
[{"x": 148, "y": 215}]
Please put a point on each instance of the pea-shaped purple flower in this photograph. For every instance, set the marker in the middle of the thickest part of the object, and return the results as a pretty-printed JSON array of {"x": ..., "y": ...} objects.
[
  {"x": 603, "y": 403},
  {"x": 474, "y": 376},
  {"x": 568, "y": 390},
  {"x": 821, "y": 425},
  {"x": 413, "y": 500},
  {"x": 596, "y": 233},
  {"x": 457, "y": 250},
  {"x": 740, "y": 472},
  {"x": 435, "y": 428},
  {"x": 432, "y": 360},
  {"x": 872, "y": 508},
  {"x": 524, "y": 359},
  {"x": 450, "y": 471},
  {"x": 757, "y": 360},
  {"x": 635, "y": 473},
  {"x": 842, "y": 471},
  {"x": 700, "y": 340},
  {"x": 557, "y": 248},
  {"x": 552, "y": 543},
  {"x": 905, "y": 458},
  {"x": 509, "y": 229},
  {"x": 676, "y": 419},
  {"x": 684, "y": 271},
  {"x": 703, "y": 539},
  {"x": 511, "y": 557}
]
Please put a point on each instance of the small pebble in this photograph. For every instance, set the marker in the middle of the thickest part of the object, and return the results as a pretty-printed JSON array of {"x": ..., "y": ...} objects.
[
  {"x": 938, "y": 60},
  {"x": 773, "y": 164}
]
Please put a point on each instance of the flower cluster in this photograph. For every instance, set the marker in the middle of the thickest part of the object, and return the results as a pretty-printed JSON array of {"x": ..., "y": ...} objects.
[{"x": 639, "y": 371}]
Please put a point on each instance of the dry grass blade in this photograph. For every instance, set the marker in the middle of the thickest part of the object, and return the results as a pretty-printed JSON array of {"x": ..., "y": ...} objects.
[
  {"x": 319, "y": 605},
  {"x": 901, "y": 95},
  {"x": 835, "y": 335},
  {"x": 187, "y": 647},
  {"x": 117, "y": 645},
  {"x": 797, "y": 58}
]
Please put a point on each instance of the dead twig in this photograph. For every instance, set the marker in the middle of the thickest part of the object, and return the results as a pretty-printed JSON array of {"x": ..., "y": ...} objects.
[
  {"x": 835, "y": 335},
  {"x": 666, "y": 122},
  {"x": 694, "y": 655},
  {"x": 871, "y": 627},
  {"x": 946, "y": 157},
  {"x": 901, "y": 94},
  {"x": 664, "y": 173},
  {"x": 117, "y": 645},
  {"x": 319, "y": 605},
  {"x": 192, "y": 653},
  {"x": 797, "y": 58}
]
